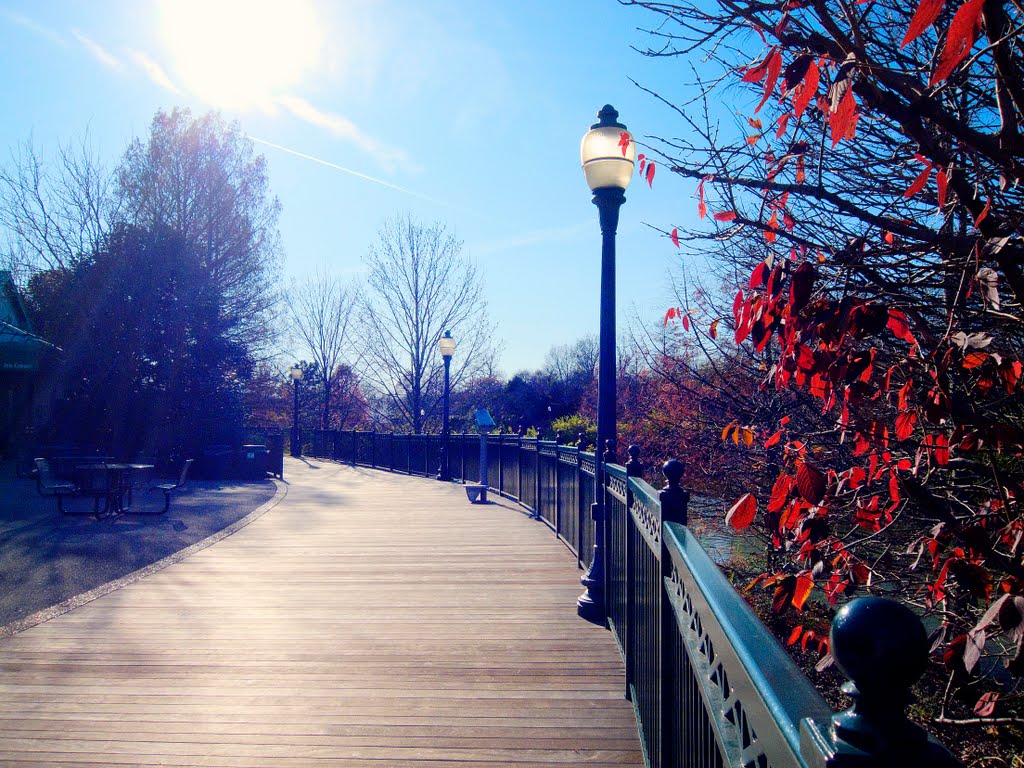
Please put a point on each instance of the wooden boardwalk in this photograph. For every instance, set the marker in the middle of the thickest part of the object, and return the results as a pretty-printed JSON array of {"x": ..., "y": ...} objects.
[{"x": 368, "y": 620}]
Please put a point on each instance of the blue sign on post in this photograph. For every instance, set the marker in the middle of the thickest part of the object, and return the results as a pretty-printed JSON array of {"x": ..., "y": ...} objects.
[{"x": 477, "y": 493}]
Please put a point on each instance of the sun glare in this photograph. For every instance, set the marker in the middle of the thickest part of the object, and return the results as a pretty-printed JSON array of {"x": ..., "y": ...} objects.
[{"x": 240, "y": 54}]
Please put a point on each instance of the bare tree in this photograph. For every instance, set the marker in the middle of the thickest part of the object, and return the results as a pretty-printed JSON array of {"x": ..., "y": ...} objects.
[
  {"x": 55, "y": 214},
  {"x": 573, "y": 364},
  {"x": 419, "y": 285},
  {"x": 321, "y": 312}
]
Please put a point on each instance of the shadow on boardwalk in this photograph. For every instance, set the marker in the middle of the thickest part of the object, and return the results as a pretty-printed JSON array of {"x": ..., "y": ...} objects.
[{"x": 47, "y": 558}]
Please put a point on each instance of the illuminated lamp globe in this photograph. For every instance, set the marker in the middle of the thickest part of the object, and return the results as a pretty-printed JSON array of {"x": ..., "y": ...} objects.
[
  {"x": 608, "y": 152},
  {"x": 446, "y": 344}
]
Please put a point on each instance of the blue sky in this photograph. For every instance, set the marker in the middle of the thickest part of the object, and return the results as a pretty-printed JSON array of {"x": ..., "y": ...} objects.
[{"x": 464, "y": 111}]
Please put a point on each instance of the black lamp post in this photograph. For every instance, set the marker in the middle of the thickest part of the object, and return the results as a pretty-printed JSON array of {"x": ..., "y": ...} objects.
[
  {"x": 446, "y": 346},
  {"x": 296, "y": 374},
  {"x": 608, "y": 155}
]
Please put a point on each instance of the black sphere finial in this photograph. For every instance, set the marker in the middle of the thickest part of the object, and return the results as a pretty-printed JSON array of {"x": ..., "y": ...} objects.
[
  {"x": 634, "y": 467},
  {"x": 880, "y": 645},
  {"x": 673, "y": 470}
]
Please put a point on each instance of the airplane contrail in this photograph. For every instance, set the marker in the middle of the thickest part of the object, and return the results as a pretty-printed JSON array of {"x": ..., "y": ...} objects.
[{"x": 349, "y": 171}]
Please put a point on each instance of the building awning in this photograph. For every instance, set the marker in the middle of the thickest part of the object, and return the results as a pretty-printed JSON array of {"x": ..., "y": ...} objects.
[{"x": 20, "y": 349}]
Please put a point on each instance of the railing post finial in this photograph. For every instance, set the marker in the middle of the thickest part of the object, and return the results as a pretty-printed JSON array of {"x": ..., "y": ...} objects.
[
  {"x": 674, "y": 500},
  {"x": 634, "y": 467},
  {"x": 882, "y": 648},
  {"x": 609, "y": 451}
]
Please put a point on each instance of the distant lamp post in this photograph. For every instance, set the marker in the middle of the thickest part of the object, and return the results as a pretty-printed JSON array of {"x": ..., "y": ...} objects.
[
  {"x": 446, "y": 346},
  {"x": 296, "y": 374},
  {"x": 608, "y": 154}
]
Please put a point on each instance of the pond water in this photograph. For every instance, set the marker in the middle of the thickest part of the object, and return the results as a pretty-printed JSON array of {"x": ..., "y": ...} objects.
[{"x": 723, "y": 545}]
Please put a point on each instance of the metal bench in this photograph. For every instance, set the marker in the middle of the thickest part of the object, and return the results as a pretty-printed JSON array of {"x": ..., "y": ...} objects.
[
  {"x": 169, "y": 488},
  {"x": 48, "y": 485}
]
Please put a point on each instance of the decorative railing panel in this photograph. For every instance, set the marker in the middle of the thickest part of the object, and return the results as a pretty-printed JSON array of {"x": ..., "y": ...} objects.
[
  {"x": 568, "y": 496},
  {"x": 547, "y": 484}
]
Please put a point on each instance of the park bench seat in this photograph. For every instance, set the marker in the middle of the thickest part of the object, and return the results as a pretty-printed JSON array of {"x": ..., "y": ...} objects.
[
  {"x": 169, "y": 488},
  {"x": 49, "y": 485}
]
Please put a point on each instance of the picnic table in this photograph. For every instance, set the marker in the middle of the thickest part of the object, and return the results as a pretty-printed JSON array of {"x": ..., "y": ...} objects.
[{"x": 114, "y": 481}]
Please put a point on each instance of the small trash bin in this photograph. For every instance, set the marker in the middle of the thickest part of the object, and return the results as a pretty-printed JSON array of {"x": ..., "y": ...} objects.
[
  {"x": 217, "y": 461},
  {"x": 252, "y": 462}
]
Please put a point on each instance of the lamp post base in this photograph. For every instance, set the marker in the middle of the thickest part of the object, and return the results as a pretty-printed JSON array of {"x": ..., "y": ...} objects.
[
  {"x": 590, "y": 606},
  {"x": 442, "y": 469}
]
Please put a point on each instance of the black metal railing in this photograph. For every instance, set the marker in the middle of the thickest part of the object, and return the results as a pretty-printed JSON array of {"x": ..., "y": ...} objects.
[{"x": 709, "y": 683}]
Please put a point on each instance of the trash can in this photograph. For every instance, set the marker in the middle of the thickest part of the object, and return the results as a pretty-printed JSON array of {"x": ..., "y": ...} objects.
[
  {"x": 252, "y": 462},
  {"x": 217, "y": 461}
]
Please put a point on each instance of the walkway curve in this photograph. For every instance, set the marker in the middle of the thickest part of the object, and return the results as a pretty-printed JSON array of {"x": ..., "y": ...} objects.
[{"x": 367, "y": 619}]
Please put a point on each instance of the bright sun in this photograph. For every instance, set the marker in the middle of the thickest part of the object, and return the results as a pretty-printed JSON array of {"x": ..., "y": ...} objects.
[{"x": 240, "y": 54}]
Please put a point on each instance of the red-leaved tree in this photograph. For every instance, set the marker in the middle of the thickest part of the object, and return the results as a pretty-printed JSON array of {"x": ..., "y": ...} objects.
[{"x": 866, "y": 209}]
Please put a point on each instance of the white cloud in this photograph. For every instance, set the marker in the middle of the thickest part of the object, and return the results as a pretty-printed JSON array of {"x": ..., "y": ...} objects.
[
  {"x": 98, "y": 52},
  {"x": 154, "y": 71},
  {"x": 33, "y": 26},
  {"x": 343, "y": 128}
]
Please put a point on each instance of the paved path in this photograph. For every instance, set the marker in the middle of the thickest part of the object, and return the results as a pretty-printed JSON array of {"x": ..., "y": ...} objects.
[
  {"x": 366, "y": 620},
  {"x": 47, "y": 558}
]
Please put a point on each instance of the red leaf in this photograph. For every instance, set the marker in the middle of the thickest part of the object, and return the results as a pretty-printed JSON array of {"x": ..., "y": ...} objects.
[
  {"x": 672, "y": 314},
  {"x": 759, "y": 275},
  {"x": 808, "y": 89},
  {"x": 725, "y": 215},
  {"x": 942, "y": 181},
  {"x": 772, "y": 72},
  {"x": 624, "y": 139},
  {"x": 795, "y": 634},
  {"x": 919, "y": 182},
  {"x": 713, "y": 330},
  {"x": 756, "y": 73},
  {"x": 650, "y": 175},
  {"x": 983, "y": 214},
  {"x": 686, "y": 322},
  {"x": 900, "y": 327},
  {"x": 741, "y": 514},
  {"x": 675, "y": 237},
  {"x": 780, "y": 492},
  {"x": 773, "y": 225},
  {"x": 807, "y": 638},
  {"x": 773, "y": 440},
  {"x": 783, "y": 594},
  {"x": 975, "y": 359},
  {"x": 927, "y": 12},
  {"x": 782, "y": 122},
  {"x": 905, "y": 425},
  {"x": 804, "y": 585},
  {"x": 843, "y": 121},
  {"x": 811, "y": 483},
  {"x": 963, "y": 31},
  {"x": 942, "y": 450},
  {"x": 986, "y": 705},
  {"x": 702, "y": 209}
]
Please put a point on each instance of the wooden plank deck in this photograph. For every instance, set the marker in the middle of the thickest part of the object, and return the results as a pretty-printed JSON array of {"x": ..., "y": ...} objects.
[{"x": 368, "y": 620}]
